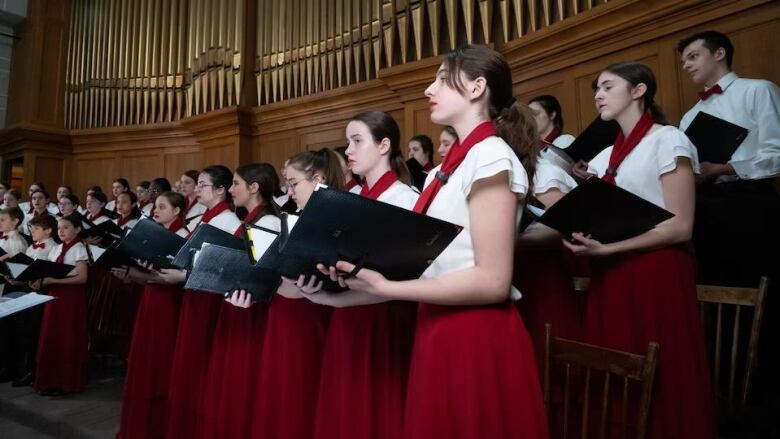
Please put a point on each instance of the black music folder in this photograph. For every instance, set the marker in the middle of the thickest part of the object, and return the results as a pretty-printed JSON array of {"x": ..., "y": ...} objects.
[
  {"x": 605, "y": 211},
  {"x": 108, "y": 231},
  {"x": 221, "y": 270},
  {"x": 715, "y": 139},
  {"x": 339, "y": 225},
  {"x": 257, "y": 240},
  {"x": 38, "y": 269},
  {"x": 208, "y": 234},
  {"x": 151, "y": 242},
  {"x": 599, "y": 135}
]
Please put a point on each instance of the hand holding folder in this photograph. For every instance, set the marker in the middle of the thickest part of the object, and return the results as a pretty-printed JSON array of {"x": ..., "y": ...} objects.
[
  {"x": 606, "y": 212},
  {"x": 223, "y": 270},
  {"x": 151, "y": 242}
]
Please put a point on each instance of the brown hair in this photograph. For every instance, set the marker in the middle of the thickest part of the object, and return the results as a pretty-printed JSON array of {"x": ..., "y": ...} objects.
[
  {"x": 513, "y": 120},
  {"x": 14, "y": 213},
  {"x": 637, "y": 73},
  {"x": 383, "y": 126},
  {"x": 323, "y": 161},
  {"x": 177, "y": 200},
  {"x": 267, "y": 181}
]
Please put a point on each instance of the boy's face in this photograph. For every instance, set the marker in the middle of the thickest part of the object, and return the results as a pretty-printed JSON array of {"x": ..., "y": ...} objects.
[
  {"x": 39, "y": 233},
  {"x": 6, "y": 223}
]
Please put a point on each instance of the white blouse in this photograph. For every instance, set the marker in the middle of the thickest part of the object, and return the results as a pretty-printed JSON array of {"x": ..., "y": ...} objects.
[
  {"x": 485, "y": 159},
  {"x": 655, "y": 155},
  {"x": 76, "y": 253},
  {"x": 550, "y": 175},
  {"x": 13, "y": 244},
  {"x": 399, "y": 195},
  {"x": 226, "y": 221}
]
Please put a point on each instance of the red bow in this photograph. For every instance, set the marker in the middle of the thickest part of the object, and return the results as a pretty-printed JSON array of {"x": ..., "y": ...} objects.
[
  {"x": 41, "y": 245},
  {"x": 714, "y": 90}
]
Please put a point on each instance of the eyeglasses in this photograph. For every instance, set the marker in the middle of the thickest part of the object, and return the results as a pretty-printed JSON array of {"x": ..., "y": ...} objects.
[{"x": 201, "y": 185}]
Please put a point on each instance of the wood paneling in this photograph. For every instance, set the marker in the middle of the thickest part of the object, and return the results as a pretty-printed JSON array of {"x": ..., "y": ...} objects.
[
  {"x": 561, "y": 59},
  {"x": 50, "y": 170}
]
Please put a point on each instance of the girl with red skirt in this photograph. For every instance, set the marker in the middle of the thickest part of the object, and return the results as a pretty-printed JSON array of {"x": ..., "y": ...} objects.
[
  {"x": 62, "y": 347},
  {"x": 473, "y": 371},
  {"x": 368, "y": 346},
  {"x": 643, "y": 288},
  {"x": 198, "y": 316},
  {"x": 239, "y": 335},
  {"x": 285, "y": 393},
  {"x": 145, "y": 398}
]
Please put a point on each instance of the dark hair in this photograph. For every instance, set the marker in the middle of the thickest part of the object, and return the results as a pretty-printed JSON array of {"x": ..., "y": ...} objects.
[
  {"x": 14, "y": 193},
  {"x": 14, "y": 213},
  {"x": 265, "y": 176},
  {"x": 40, "y": 185},
  {"x": 712, "y": 40},
  {"x": 145, "y": 184},
  {"x": 162, "y": 183},
  {"x": 193, "y": 174},
  {"x": 100, "y": 196},
  {"x": 73, "y": 199},
  {"x": 177, "y": 200},
  {"x": 123, "y": 181},
  {"x": 550, "y": 105},
  {"x": 323, "y": 161},
  {"x": 74, "y": 219},
  {"x": 383, "y": 126},
  {"x": 221, "y": 177},
  {"x": 135, "y": 212},
  {"x": 41, "y": 191},
  {"x": 342, "y": 152},
  {"x": 637, "y": 73},
  {"x": 70, "y": 189},
  {"x": 427, "y": 145},
  {"x": 44, "y": 222},
  {"x": 95, "y": 188},
  {"x": 513, "y": 120},
  {"x": 451, "y": 131}
]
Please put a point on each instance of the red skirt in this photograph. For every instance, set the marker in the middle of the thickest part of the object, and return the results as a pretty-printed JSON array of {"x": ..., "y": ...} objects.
[
  {"x": 144, "y": 403},
  {"x": 651, "y": 296},
  {"x": 233, "y": 366},
  {"x": 197, "y": 323},
  {"x": 543, "y": 276},
  {"x": 364, "y": 372},
  {"x": 62, "y": 347},
  {"x": 286, "y": 394},
  {"x": 473, "y": 375}
]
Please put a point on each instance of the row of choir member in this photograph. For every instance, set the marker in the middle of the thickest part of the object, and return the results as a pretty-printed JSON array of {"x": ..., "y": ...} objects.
[{"x": 372, "y": 363}]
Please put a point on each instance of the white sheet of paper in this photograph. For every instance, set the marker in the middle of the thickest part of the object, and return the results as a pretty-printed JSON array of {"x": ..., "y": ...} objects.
[{"x": 12, "y": 306}]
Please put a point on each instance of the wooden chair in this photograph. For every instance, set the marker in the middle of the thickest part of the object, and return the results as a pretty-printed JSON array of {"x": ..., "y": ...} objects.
[
  {"x": 575, "y": 357},
  {"x": 726, "y": 297}
]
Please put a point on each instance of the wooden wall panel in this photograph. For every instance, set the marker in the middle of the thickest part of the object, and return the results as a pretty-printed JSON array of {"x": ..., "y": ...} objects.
[
  {"x": 50, "y": 170},
  {"x": 140, "y": 166},
  {"x": 95, "y": 170},
  {"x": 275, "y": 148},
  {"x": 176, "y": 163}
]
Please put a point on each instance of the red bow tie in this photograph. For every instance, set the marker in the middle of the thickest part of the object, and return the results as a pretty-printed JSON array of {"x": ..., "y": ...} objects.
[
  {"x": 3, "y": 237},
  {"x": 714, "y": 90},
  {"x": 41, "y": 245}
]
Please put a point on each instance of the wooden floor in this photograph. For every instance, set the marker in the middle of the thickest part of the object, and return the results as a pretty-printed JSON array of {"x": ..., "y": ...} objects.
[{"x": 92, "y": 414}]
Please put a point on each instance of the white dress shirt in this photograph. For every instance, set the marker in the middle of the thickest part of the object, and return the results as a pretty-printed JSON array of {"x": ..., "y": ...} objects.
[{"x": 753, "y": 104}]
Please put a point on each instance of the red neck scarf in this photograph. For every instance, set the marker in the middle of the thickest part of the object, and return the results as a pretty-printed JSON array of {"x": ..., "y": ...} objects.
[
  {"x": 623, "y": 146},
  {"x": 175, "y": 225},
  {"x": 32, "y": 209},
  {"x": 37, "y": 214},
  {"x": 351, "y": 184},
  {"x": 124, "y": 220},
  {"x": 66, "y": 246},
  {"x": 251, "y": 217},
  {"x": 428, "y": 166},
  {"x": 142, "y": 204},
  {"x": 454, "y": 158},
  {"x": 214, "y": 211},
  {"x": 92, "y": 218},
  {"x": 114, "y": 209},
  {"x": 714, "y": 90},
  {"x": 385, "y": 181},
  {"x": 548, "y": 140},
  {"x": 3, "y": 236}
]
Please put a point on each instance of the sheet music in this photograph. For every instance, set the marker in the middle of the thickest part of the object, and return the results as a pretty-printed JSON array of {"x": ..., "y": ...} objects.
[{"x": 11, "y": 306}]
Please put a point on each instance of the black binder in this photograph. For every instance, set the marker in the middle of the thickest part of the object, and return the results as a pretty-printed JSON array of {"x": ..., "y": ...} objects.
[
  {"x": 715, "y": 139},
  {"x": 257, "y": 240},
  {"x": 14, "y": 264},
  {"x": 222, "y": 270},
  {"x": 605, "y": 211},
  {"x": 107, "y": 230},
  {"x": 149, "y": 241},
  {"x": 41, "y": 268},
  {"x": 339, "y": 225},
  {"x": 417, "y": 172},
  {"x": 209, "y": 234},
  {"x": 599, "y": 135}
]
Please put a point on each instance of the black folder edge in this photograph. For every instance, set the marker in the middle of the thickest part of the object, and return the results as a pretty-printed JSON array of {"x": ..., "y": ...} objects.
[
  {"x": 183, "y": 258},
  {"x": 551, "y": 216},
  {"x": 161, "y": 261},
  {"x": 601, "y": 131},
  {"x": 701, "y": 118},
  {"x": 249, "y": 245},
  {"x": 206, "y": 256},
  {"x": 55, "y": 270}
]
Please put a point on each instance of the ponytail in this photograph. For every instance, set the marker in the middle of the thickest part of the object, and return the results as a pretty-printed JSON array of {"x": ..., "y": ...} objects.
[
  {"x": 516, "y": 125},
  {"x": 324, "y": 161}
]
